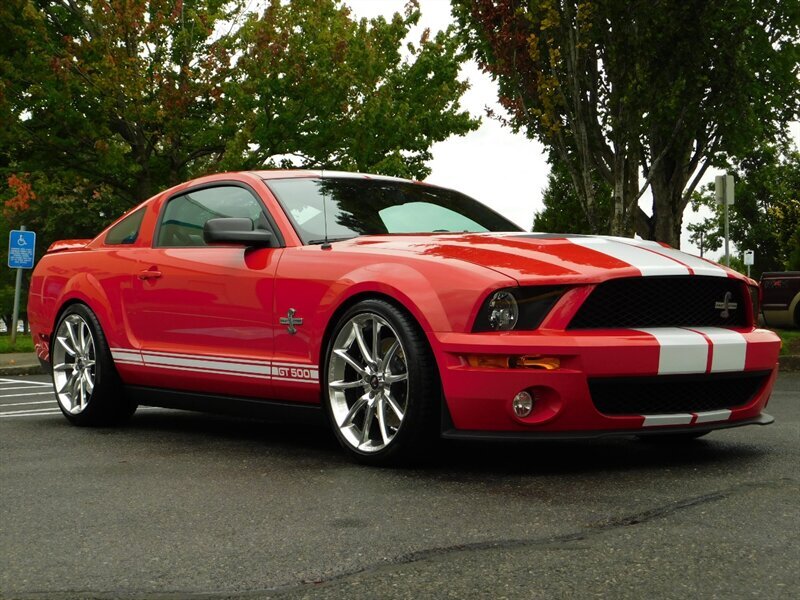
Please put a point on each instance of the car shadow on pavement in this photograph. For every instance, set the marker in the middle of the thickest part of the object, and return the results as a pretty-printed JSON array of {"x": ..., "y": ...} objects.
[{"x": 314, "y": 442}]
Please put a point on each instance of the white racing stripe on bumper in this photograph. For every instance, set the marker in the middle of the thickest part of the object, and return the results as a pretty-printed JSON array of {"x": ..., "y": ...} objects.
[
  {"x": 658, "y": 420},
  {"x": 713, "y": 416},
  {"x": 729, "y": 348},
  {"x": 681, "y": 350},
  {"x": 647, "y": 261}
]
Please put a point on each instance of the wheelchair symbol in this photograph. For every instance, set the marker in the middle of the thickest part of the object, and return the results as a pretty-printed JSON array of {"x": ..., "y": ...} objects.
[{"x": 21, "y": 241}]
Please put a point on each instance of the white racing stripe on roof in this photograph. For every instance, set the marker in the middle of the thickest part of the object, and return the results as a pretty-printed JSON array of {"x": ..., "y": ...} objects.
[
  {"x": 681, "y": 350},
  {"x": 649, "y": 263}
]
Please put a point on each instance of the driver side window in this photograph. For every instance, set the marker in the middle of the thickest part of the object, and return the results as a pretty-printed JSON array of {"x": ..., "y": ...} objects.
[{"x": 183, "y": 219}]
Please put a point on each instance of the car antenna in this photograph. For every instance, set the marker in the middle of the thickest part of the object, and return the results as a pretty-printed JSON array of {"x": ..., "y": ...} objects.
[{"x": 325, "y": 244}]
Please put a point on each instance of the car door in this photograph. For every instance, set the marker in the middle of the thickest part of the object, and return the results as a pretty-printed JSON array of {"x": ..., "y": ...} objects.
[{"x": 202, "y": 314}]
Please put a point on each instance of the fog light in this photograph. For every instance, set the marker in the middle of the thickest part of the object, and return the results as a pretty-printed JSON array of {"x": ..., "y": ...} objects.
[{"x": 523, "y": 404}]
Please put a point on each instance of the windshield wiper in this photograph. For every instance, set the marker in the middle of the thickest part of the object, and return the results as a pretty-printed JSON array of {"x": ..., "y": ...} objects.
[{"x": 329, "y": 240}]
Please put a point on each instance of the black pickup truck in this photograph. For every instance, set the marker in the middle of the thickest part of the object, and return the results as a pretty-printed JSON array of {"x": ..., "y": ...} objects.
[{"x": 780, "y": 298}]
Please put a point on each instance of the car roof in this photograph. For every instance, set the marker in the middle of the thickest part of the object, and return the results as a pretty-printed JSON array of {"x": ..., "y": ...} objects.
[{"x": 312, "y": 173}]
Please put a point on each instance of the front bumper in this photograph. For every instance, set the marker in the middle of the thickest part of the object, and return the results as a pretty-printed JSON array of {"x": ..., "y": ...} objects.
[{"x": 479, "y": 399}]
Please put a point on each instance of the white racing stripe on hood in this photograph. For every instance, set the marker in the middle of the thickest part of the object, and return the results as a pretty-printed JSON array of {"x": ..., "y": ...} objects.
[
  {"x": 648, "y": 262},
  {"x": 697, "y": 264}
]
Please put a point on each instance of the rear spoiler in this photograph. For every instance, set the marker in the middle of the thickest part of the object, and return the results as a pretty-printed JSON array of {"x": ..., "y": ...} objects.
[{"x": 67, "y": 245}]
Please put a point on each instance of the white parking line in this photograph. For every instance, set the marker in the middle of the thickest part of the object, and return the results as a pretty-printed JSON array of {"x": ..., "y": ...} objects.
[
  {"x": 27, "y": 410},
  {"x": 25, "y": 381},
  {"x": 31, "y": 394},
  {"x": 28, "y": 403},
  {"x": 23, "y": 387},
  {"x": 29, "y": 414}
]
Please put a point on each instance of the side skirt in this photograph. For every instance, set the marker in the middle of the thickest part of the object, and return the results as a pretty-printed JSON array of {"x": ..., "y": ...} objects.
[{"x": 269, "y": 410}]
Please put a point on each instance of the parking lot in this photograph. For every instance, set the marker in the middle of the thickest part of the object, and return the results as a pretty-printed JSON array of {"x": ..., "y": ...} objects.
[{"x": 180, "y": 504}]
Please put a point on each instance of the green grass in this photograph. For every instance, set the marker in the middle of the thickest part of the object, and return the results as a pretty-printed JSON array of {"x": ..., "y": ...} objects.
[
  {"x": 791, "y": 341},
  {"x": 24, "y": 343}
]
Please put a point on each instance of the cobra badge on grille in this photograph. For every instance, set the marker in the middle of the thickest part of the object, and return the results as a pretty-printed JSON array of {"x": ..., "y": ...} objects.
[{"x": 726, "y": 305}]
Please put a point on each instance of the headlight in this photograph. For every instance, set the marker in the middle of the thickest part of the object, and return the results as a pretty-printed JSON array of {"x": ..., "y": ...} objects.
[
  {"x": 503, "y": 311},
  {"x": 521, "y": 308}
]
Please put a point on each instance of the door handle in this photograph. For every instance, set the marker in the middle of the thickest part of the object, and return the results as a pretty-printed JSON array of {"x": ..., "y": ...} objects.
[{"x": 149, "y": 274}]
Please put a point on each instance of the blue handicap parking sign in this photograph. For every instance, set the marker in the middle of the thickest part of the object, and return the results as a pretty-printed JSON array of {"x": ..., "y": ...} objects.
[{"x": 21, "y": 249}]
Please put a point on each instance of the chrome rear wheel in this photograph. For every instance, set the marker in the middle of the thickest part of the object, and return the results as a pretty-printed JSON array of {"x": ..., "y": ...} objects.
[
  {"x": 74, "y": 364},
  {"x": 86, "y": 383}
]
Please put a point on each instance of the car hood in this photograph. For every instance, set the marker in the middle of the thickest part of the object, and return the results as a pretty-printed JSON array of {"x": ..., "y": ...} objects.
[{"x": 562, "y": 258}]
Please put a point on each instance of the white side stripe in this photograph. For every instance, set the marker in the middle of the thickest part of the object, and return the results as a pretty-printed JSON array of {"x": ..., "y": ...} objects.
[
  {"x": 649, "y": 263},
  {"x": 729, "y": 349},
  {"x": 205, "y": 365},
  {"x": 218, "y": 365},
  {"x": 681, "y": 350}
]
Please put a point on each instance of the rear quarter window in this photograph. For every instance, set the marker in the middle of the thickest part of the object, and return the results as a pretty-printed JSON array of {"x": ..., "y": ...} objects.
[{"x": 127, "y": 230}]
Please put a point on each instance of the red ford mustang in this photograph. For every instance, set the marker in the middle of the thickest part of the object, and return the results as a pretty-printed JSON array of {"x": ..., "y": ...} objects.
[{"x": 398, "y": 309}]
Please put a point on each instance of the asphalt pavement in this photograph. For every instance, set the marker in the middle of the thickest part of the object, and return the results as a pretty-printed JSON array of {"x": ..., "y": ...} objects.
[{"x": 183, "y": 505}]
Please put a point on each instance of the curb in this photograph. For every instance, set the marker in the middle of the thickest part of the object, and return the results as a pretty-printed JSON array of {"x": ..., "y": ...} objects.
[
  {"x": 8, "y": 371},
  {"x": 789, "y": 363}
]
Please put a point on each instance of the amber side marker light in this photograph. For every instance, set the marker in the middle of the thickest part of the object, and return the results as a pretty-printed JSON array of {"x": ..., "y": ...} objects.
[{"x": 493, "y": 361}]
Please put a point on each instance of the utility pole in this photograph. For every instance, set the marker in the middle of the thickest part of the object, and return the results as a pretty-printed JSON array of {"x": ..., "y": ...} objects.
[{"x": 723, "y": 185}]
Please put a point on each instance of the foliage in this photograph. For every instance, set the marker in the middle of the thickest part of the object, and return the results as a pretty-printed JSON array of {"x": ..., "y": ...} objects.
[
  {"x": 562, "y": 211},
  {"x": 791, "y": 341},
  {"x": 765, "y": 216},
  {"x": 24, "y": 343},
  {"x": 105, "y": 102},
  {"x": 618, "y": 88}
]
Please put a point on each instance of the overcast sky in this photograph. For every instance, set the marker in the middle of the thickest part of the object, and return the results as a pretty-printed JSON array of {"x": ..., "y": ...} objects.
[{"x": 505, "y": 171}]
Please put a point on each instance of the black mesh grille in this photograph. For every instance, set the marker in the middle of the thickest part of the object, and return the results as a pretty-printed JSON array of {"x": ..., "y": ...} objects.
[
  {"x": 663, "y": 302},
  {"x": 668, "y": 394}
]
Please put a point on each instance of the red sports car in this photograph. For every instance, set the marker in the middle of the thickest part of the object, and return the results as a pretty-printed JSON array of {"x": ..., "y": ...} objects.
[{"x": 400, "y": 310}]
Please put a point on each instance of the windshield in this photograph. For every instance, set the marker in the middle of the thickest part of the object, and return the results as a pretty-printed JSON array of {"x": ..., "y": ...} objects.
[{"x": 357, "y": 206}]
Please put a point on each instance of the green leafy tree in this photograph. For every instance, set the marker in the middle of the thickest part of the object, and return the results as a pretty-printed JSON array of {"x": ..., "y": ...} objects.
[
  {"x": 563, "y": 212},
  {"x": 765, "y": 216},
  {"x": 640, "y": 94},
  {"x": 105, "y": 102}
]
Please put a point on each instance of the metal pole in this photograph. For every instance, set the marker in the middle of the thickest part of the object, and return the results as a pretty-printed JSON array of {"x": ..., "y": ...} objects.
[
  {"x": 727, "y": 250},
  {"x": 15, "y": 312}
]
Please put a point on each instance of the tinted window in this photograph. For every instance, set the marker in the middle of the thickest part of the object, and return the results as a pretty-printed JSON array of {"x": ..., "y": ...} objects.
[
  {"x": 183, "y": 220},
  {"x": 127, "y": 230},
  {"x": 373, "y": 207}
]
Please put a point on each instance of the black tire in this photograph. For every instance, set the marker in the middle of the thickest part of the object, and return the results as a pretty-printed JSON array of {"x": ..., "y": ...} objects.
[
  {"x": 87, "y": 386},
  {"x": 400, "y": 388}
]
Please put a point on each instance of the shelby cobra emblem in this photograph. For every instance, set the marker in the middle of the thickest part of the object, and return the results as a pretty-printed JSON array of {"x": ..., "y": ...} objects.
[
  {"x": 726, "y": 305},
  {"x": 291, "y": 321}
]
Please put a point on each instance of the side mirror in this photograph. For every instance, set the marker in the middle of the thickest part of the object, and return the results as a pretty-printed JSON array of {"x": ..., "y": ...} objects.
[{"x": 235, "y": 230}]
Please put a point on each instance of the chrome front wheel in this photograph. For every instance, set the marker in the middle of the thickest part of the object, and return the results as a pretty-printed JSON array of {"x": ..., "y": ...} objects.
[
  {"x": 368, "y": 382},
  {"x": 381, "y": 387}
]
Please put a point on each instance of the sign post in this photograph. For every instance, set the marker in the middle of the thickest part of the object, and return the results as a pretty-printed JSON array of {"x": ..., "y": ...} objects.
[
  {"x": 749, "y": 260},
  {"x": 21, "y": 252},
  {"x": 723, "y": 185}
]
